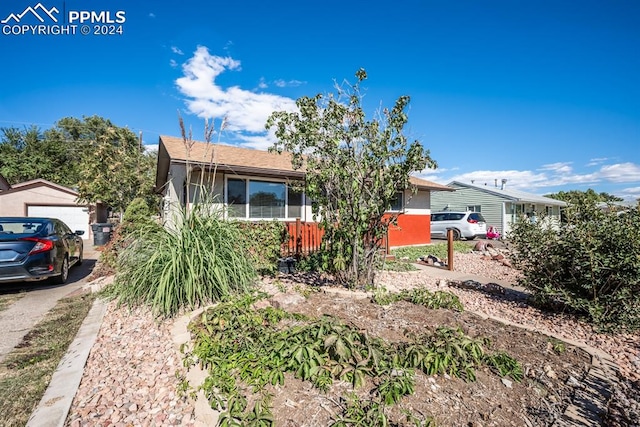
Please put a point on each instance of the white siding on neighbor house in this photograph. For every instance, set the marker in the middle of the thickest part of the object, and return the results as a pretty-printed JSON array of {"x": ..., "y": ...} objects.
[
  {"x": 463, "y": 197},
  {"x": 499, "y": 211}
]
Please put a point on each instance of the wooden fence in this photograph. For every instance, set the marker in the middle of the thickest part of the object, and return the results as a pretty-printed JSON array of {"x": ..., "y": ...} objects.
[{"x": 306, "y": 238}]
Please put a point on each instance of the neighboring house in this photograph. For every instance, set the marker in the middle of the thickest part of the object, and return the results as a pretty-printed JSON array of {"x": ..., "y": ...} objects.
[
  {"x": 256, "y": 185},
  {"x": 499, "y": 205},
  {"x": 41, "y": 198}
]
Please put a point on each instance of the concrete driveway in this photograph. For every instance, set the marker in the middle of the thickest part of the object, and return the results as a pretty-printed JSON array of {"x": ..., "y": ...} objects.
[{"x": 18, "y": 319}]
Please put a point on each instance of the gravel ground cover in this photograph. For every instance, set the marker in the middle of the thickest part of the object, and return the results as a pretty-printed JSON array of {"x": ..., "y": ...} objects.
[{"x": 133, "y": 372}]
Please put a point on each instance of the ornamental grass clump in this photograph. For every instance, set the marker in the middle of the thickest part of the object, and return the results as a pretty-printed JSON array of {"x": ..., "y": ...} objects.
[{"x": 198, "y": 260}]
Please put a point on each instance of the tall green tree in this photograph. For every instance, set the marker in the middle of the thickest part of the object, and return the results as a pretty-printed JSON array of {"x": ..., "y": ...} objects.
[
  {"x": 27, "y": 154},
  {"x": 115, "y": 169},
  {"x": 104, "y": 162},
  {"x": 354, "y": 170},
  {"x": 581, "y": 197}
]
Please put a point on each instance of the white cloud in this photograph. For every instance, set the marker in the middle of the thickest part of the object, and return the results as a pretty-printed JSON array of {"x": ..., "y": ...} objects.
[
  {"x": 290, "y": 83},
  {"x": 621, "y": 172},
  {"x": 559, "y": 167},
  {"x": 173, "y": 63},
  {"x": 262, "y": 84},
  {"x": 630, "y": 194},
  {"x": 152, "y": 15},
  {"x": 245, "y": 111},
  {"x": 176, "y": 50},
  {"x": 149, "y": 148},
  {"x": 553, "y": 176},
  {"x": 597, "y": 161}
]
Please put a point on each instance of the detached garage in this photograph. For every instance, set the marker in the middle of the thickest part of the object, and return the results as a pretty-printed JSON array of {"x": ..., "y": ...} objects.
[{"x": 41, "y": 198}]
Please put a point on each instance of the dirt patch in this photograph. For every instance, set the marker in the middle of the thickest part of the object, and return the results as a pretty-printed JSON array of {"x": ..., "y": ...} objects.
[{"x": 552, "y": 370}]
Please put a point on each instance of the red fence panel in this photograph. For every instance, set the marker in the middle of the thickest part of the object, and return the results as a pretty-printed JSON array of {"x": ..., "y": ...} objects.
[{"x": 304, "y": 238}]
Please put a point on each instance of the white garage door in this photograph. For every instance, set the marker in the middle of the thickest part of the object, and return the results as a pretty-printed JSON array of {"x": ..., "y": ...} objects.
[{"x": 76, "y": 217}]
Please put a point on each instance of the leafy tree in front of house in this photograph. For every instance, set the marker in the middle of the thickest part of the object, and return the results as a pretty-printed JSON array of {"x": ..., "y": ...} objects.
[
  {"x": 354, "y": 169},
  {"x": 114, "y": 167}
]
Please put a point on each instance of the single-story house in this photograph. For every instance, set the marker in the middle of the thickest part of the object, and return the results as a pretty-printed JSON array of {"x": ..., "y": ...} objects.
[
  {"x": 256, "y": 185},
  {"x": 500, "y": 206},
  {"x": 42, "y": 198}
]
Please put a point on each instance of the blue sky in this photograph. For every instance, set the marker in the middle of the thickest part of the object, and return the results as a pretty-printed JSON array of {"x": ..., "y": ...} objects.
[{"x": 545, "y": 94}]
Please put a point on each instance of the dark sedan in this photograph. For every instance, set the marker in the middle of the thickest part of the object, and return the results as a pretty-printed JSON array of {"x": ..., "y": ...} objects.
[{"x": 33, "y": 249}]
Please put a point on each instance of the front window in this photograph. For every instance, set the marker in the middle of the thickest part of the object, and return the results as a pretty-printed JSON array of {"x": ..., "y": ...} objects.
[
  {"x": 474, "y": 208},
  {"x": 249, "y": 198},
  {"x": 397, "y": 203},
  {"x": 237, "y": 198},
  {"x": 266, "y": 199},
  {"x": 294, "y": 203}
]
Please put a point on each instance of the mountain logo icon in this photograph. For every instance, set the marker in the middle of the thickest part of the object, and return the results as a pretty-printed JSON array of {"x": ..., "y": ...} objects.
[{"x": 38, "y": 11}]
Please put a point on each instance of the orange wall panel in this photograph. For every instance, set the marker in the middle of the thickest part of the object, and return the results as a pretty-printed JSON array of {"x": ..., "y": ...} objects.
[{"x": 410, "y": 230}]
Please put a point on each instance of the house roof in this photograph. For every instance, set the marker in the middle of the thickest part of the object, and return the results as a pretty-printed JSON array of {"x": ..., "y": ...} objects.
[
  {"x": 423, "y": 184},
  {"x": 226, "y": 158},
  {"x": 238, "y": 160},
  {"x": 34, "y": 183},
  {"x": 511, "y": 194}
]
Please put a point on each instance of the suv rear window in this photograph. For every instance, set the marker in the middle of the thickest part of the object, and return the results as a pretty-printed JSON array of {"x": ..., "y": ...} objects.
[
  {"x": 455, "y": 216},
  {"x": 477, "y": 217}
]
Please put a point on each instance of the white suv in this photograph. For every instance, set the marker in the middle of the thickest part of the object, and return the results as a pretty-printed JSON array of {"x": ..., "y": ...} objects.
[{"x": 468, "y": 225}]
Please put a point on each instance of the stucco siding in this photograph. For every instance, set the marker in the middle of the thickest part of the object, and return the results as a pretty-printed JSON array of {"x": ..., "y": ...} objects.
[{"x": 15, "y": 203}]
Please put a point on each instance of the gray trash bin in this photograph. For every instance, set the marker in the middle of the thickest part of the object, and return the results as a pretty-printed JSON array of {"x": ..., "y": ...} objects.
[{"x": 101, "y": 233}]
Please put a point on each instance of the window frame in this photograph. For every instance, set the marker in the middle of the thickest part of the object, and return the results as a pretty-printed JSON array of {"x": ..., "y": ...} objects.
[
  {"x": 399, "y": 196},
  {"x": 247, "y": 205}
]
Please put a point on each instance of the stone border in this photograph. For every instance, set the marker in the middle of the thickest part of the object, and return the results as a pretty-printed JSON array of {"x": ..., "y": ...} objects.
[
  {"x": 204, "y": 414},
  {"x": 591, "y": 398}
]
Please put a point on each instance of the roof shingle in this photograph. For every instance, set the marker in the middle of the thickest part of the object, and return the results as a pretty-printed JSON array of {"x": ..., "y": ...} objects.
[{"x": 240, "y": 160}]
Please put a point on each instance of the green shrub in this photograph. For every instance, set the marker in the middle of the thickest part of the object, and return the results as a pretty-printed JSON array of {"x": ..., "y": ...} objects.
[
  {"x": 315, "y": 261},
  {"x": 590, "y": 263},
  {"x": 264, "y": 240},
  {"x": 245, "y": 349},
  {"x": 137, "y": 216},
  {"x": 199, "y": 260}
]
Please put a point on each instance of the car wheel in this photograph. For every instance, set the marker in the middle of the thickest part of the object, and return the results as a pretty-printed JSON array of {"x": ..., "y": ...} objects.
[
  {"x": 64, "y": 272},
  {"x": 456, "y": 234}
]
